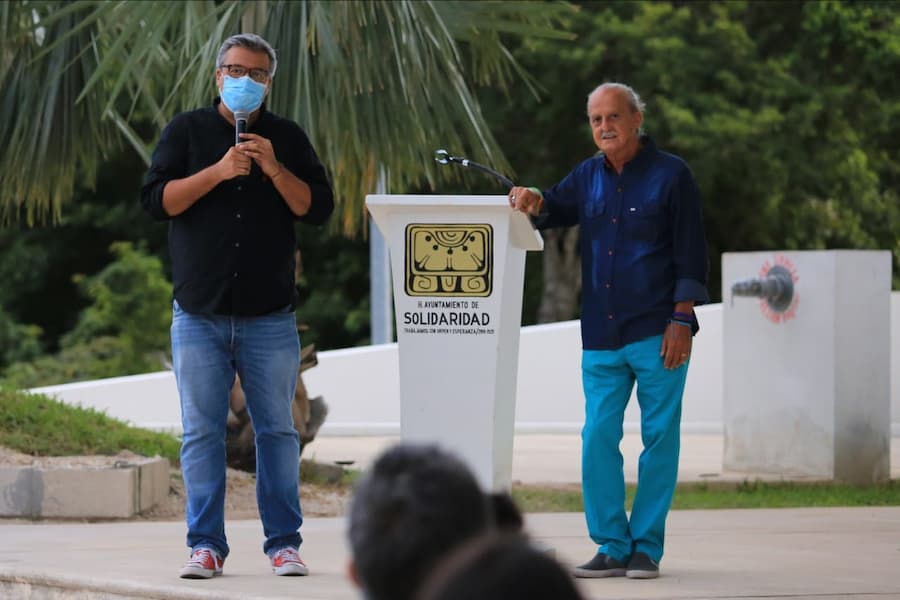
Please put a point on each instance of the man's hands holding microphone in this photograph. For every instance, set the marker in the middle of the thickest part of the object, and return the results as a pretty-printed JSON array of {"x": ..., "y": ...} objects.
[
  {"x": 234, "y": 164},
  {"x": 181, "y": 194},
  {"x": 526, "y": 200},
  {"x": 239, "y": 159}
]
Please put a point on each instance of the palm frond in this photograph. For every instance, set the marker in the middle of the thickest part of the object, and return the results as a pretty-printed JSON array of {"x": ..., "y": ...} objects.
[
  {"x": 46, "y": 141},
  {"x": 378, "y": 85},
  {"x": 382, "y": 84}
]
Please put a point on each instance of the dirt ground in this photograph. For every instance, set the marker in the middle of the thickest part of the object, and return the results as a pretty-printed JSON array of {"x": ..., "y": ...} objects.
[{"x": 317, "y": 499}]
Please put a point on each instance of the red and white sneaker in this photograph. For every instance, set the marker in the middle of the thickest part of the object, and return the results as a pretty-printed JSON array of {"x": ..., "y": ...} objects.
[
  {"x": 205, "y": 563},
  {"x": 288, "y": 562}
]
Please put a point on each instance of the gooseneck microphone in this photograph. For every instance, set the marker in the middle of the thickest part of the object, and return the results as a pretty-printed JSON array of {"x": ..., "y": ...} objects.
[
  {"x": 240, "y": 124},
  {"x": 443, "y": 157}
]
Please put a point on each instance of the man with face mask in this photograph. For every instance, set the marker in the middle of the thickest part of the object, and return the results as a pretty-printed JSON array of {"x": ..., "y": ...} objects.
[
  {"x": 231, "y": 209},
  {"x": 644, "y": 266}
]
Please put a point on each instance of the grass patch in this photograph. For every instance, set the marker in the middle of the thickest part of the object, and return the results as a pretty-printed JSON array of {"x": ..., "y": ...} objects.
[
  {"x": 41, "y": 426},
  {"x": 336, "y": 476},
  {"x": 742, "y": 494},
  {"x": 533, "y": 498},
  {"x": 784, "y": 494}
]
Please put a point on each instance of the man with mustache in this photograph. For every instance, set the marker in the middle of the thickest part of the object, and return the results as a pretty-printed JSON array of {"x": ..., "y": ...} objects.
[{"x": 644, "y": 267}]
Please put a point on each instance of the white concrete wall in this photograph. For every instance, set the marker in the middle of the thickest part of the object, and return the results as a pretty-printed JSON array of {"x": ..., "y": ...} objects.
[
  {"x": 149, "y": 400},
  {"x": 361, "y": 385},
  {"x": 895, "y": 363}
]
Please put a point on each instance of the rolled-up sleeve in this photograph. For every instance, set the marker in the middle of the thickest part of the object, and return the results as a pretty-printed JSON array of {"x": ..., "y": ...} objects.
[
  {"x": 169, "y": 162},
  {"x": 689, "y": 241},
  {"x": 309, "y": 169}
]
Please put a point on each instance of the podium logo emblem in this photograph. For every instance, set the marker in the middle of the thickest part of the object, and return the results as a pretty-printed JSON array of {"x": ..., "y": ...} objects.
[{"x": 449, "y": 259}]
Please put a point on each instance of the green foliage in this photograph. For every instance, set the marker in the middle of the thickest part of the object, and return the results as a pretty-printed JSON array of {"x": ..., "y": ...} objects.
[
  {"x": 37, "y": 263},
  {"x": 130, "y": 300},
  {"x": 788, "y": 113},
  {"x": 17, "y": 341},
  {"x": 96, "y": 359},
  {"x": 124, "y": 331},
  {"x": 41, "y": 426},
  {"x": 370, "y": 81},
  {"x": 49, "y": 139},
  {"x": 334, "y": 290}
]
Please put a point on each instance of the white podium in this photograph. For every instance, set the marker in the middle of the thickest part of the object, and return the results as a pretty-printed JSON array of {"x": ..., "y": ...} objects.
[{"x": 458, "y": 264}]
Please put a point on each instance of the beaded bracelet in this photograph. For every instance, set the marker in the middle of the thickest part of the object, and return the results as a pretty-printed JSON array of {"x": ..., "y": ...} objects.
[
  {"x": 683, "y": 316},
  {"x": 685, "y": 323}
]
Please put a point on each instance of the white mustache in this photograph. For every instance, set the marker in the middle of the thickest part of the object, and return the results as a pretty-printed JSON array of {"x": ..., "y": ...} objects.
[{"x": 607, "y": 136}]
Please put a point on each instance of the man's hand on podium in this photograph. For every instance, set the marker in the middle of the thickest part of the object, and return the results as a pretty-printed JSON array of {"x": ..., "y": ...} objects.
[{"x": 526, "y": 200}]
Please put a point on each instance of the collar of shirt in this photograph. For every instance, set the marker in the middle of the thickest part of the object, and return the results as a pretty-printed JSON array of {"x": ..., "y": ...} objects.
[{"x": 646, "y": 150}]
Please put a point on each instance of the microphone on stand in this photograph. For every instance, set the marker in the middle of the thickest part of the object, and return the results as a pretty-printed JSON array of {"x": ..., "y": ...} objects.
[
  {"x": 240, "y": 124},
  {"x": 443, "y": 157}
]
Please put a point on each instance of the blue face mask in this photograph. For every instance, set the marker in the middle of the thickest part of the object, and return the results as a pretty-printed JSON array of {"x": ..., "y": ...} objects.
[{"x": 242, "y": 94}]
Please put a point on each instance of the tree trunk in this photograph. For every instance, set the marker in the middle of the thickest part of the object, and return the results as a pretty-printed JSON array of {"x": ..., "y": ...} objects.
[{"x": 562, "y": 276}]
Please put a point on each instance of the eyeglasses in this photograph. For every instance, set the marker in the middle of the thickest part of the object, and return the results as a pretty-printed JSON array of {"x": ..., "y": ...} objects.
[{"x": 258, "y": 75}]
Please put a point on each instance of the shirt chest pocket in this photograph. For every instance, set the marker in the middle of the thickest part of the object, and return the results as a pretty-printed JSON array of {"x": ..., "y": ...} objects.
[
  {"x": 643, "y": 221},
  {"x": 595, "y": 207}
]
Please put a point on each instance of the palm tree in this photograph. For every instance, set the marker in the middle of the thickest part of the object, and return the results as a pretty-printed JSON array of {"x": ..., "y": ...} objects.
[{"x": 378, "y": 85}]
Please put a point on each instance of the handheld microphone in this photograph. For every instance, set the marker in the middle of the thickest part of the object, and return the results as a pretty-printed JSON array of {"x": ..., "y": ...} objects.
[{"x": 240, "y": 125}]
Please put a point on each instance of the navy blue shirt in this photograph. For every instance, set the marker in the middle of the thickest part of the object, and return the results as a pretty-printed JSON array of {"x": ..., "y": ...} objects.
[
  {"x": 233, "y": 250},
  {"x": 643, "y": 247}
]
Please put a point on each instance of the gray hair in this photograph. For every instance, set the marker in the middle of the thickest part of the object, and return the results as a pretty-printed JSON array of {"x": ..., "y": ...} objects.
[
  {"x": 251, "y": 42},
  {"x": 637, "y": 105}
]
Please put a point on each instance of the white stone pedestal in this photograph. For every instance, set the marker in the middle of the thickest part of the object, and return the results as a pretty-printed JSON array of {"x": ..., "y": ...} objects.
[{"x": 807, "y": 387}]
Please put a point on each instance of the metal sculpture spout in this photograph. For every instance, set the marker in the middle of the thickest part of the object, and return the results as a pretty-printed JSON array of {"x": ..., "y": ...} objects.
[{"x": 776, "y": 288}]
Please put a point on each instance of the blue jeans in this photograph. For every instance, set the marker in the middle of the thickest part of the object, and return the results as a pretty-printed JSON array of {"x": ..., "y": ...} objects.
[
  {"x": 608, "y": 377},
  {"x": 265, "y": 352}
]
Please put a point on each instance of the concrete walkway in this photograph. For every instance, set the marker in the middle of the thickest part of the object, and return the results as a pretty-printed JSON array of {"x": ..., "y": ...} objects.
[{"x": 766, "y": 553}]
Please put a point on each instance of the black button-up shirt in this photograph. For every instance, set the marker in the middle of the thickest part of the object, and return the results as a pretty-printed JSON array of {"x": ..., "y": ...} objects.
[
  {"x": 233, "y": 250},
  {"x": 643, "y": 246}
]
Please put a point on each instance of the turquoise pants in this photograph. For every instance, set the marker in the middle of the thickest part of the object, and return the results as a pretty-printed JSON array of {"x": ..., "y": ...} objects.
[{"x": 608, "y": 377}]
